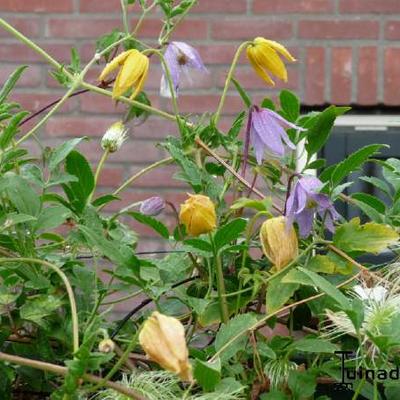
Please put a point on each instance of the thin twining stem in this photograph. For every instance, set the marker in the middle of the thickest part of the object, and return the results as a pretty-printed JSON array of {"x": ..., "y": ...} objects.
[
  {"x": 59, "y": 370},
  {"x": 71, "y": 297}
]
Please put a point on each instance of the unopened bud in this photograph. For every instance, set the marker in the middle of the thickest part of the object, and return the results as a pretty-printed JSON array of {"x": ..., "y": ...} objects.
[
  {"x": 163, "y": 340},
  {"x": 152, "y": 206},
  {"x": 106, "y": 346},
  {"x": 279, "y": 241},
  {"x": 114, "y": 137},
  {"x": 198, "y": 214}
]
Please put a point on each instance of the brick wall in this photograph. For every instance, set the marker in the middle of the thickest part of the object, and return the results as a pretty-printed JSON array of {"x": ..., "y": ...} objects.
[{"x": 348, "y": 52}]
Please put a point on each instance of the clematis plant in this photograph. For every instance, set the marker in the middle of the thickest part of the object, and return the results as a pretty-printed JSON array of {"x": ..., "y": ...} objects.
[{"x": 242, "y": 289}]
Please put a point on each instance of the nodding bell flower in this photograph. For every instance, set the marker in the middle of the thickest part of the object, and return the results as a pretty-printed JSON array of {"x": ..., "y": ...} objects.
[
  {"x": 134, "y": 67},
  {"x": 279, "y": 242},
  {"x": 114, "y": 137},
  {"x": 198, "y": 214},
  {"x": 152, "y": 206},
  {"x": 264, "y": 56},
  {"x": 305, "y": 200},
  {"x": 268, "y": 132},
  {"x": 163, "y": 340},
  {"x": 180, "y": 58}
]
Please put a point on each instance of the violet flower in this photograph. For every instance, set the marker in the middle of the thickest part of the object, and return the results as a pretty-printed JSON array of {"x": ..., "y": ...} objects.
[
  {"x": 180, "y": 58},
  {"x": 152, "y": 206},
  {"x": 268, "y": 131},
  {"x": 305, "y": 200}
]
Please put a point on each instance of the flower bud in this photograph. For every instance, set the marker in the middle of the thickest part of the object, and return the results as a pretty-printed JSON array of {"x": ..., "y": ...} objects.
[
  {"x": 163, "y": 340},
  {"x": 279, "y": 241},
  {"x": 106, "y": 346},
  {"x": 152, "y": 206},
  {"x": 198, "y": 214},
  {"x": 114, "y": 137}
]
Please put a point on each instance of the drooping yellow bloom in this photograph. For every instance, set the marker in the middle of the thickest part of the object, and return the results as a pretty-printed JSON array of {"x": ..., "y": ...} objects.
[
  {"x": 279, "y": 242},
  {"x": 163, "y": 340},
  {"x": 264, "y": 56},
  {"x": 134, "y": 67},
  {"x": 198, "y": 214}
]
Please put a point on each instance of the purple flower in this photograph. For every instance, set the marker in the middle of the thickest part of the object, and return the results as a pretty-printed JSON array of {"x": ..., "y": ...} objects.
[
  {"x": 180, "y": 58},
  {"x": 305, "y": 200},
  {"x": 152, "y": 206},
  {"x": 267, "y": 131}
]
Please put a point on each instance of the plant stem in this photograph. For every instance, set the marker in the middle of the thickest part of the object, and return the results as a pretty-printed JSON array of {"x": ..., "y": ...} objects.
[
  {"x": 58, "y": 370},
  {"x": 220, "y": 282},
  {"x": 103, "y": 159},
  {"x": 74, "y": 312},
  {"x": 358, "y": 390},
  {"x": 228, "y": 81},
  {"x": 125, "y": 17}
]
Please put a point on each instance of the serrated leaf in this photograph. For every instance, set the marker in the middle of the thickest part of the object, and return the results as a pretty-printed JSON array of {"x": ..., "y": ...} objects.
[
  {"x": 40, "y": 307},
  {"x": 207, "y": 374},
  {"x": 153, "y": 223},
  {"x": 229, "y": 232},
  {"x": 228, "y": 331},
  {"x": 328, "y": 288},
  {"x": 61, "y": 152},
  {"x": 10, "y": 83},
  {"x": 370, "y": 237},
  {"x": 353, "y": 162}
]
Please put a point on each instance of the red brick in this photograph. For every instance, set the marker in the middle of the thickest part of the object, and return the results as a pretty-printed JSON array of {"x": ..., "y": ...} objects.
[
  {"x": 293, "y": 6},
  {"x": 314, "y": 29},
  {"x": 18, "y": 52},
  {"x": 111, "y": 177},
  {"x": 31, "y": 77},
  {"x": 248, "y": 29},
  {"x": 392, "y": 77},
  {"x": 367, "y": 76},
  {"x": 188, "y": 29},
  {"x": 161, "y": 177},
  {"x": 35, "y": 101},
  {"x": 315, "y": 76},
  {"x": 220, "y": 6},
  {"x": 392, "y": 30},
  {"x": 341, "y": 75},
  {"x": 41, "y": 6},
  {"x": 369, "y": 6},
  {"x": 250, "y": 80},
  {"x": 94, "y": 103},
  {"x": 202, "y": 103},
  {"x": 77, "y": 126},
  {"x": 104, "y": 6},
  {"x": 80, "y": 28},
  {"x": 28, "y": 26}
]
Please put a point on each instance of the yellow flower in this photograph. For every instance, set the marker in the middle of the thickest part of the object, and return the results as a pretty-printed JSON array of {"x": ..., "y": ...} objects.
[
  {"x": 198, "y": 214},
  {"x": 132, "y": 74},
  {"x": 279, "y": 242},
  {"x": 163, "y": 340},
  {"x": 264, "y": 56}
]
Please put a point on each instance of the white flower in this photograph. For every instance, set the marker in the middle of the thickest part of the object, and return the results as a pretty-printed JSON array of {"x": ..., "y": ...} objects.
[
  {"x": 114, "y": 137},
  {"x": 376, "y": 293}
]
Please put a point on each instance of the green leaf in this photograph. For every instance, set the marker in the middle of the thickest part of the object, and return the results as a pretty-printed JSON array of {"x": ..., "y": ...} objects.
[
  {"x": 24, "y": 198},
  {"x": 328, "y": 288},
  {"x": 313, "y": 345},
  {"x": 370, "y": 205},
  {"x": 353, "y": 162},
  {"x": 102, "y": 200},
  {"x": 242, "y": 93},
  {"x": 200, "y": 244},
  {"x": 278, "y": 293},
  {"x": 237, "y": 125},
  {"x": 330, "y": 264},
  {"x": 10, "y": 83},
  {"x": 106, "y": 41},
  {"x": 302, "y": 384},
  {"x": 290, "y": 105},
  {"x": 153, "y": 223},
  {"x": 370, "y": 237},
  {"x": 317, "y": 164},
  {"x": 40, "y": 307},
  {"x": 52, "y": 217},
  {"x": 228, "y": 331},
  {"x": 319, "y": 132},
  {"x": 274, "y": 394},
  {"x": 378, "y": 183},
  {"x": 229, "y": 232},
  {"x": 79, "y": 192},
  {"x": 259, "y": 205},
  {"x": 11, "y": 129},
  {"x": 207, "y": 374},
  {"x": 61, "y": 152},
  {"x": 391, "y": 172},
  {"x": 12, "y": 219}
]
